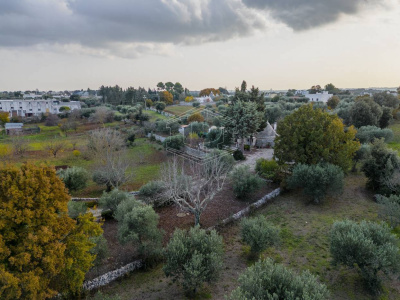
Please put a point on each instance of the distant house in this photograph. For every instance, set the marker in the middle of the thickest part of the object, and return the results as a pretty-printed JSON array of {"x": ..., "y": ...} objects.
[
  {"x": 266, "y": 137},
  {"x": 319, "y": 97},
  {"x": 13, "y": 128},
  {"x": 30, "y": 108}
]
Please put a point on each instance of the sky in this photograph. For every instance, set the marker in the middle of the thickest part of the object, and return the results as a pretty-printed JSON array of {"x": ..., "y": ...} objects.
[{"x": 272, "y": 44}]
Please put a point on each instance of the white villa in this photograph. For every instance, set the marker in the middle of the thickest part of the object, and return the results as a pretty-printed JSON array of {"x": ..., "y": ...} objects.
[
  {"x": 30, "y": 108},
  {"x": 319, "y": 97}
]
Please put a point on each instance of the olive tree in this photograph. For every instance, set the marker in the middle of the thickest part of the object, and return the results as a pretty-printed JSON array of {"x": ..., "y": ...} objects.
[
  {"x": 194, "y": 257},
  {"x": 317, "y": 181},
  {"x": 268, "y": 280},
  {"x": 137, "y": 224},
  {"x": 111, "y": 200},
  {"x": 74, "y": 178},
  {"x": 380, "y": 166},
  {"x": 258, "y": 233},
  {"x": 389, "y": 209},
  {"x": 370, "y": 247}
]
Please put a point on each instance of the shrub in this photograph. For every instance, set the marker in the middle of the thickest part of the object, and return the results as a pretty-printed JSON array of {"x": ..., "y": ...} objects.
[
  {"x": 196, "y": 104},
  {"x": 218, "y": 138},
  {"x": 317, "y": 181},
  {"x": 149, "y": 103},
  {"x": 246, "y": 147},
  {"x": 76, "y": 153},
  {"x": 380, "y": 166},
  {"x": 153, "y": 193},
  {"x": 75, "y": 209},
  {"x": 175, "y": 142},
  {"x": 258, "y": 233},
  {"x": 389, "y": 209},
  {"x": 366, "y": 134},
  {"x": 194, "y": 257},
  {"x": 267, "y": 168},
  {"x": 100, "y": 249},
  {"x": 244, "y": 181},
  {"x": 196, "y": 117},
  {"x": 74, "y": 178},
  {"x": 130, "y": 138},
  {"x": 238, "y": 155},
  {"x": 369, "y": 246},
  {"x": 137, "y": 223},
  {"x": 112, "y": 199},
  {"x": 268, "y": 280}
]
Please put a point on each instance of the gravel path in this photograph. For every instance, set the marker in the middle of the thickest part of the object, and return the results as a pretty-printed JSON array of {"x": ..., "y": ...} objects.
[{"x": 259, "y": 153}]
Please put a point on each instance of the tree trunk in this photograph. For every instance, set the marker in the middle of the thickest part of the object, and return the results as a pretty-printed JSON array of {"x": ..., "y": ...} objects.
[{"x": 196, "y": 218}]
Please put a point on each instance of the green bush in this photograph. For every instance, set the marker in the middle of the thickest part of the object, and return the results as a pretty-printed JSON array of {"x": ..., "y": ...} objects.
[
  {"x": 238, "y": 155},
  {"x": 196, "y": 104},
  {"x": 258, "y": 233},
  {"x": 194, "y": 257},
  {"x": 74, "y": 178},
  {"x": 137, "y": 224},
  {"x": 389, "y": 209},
  {"x": 130, "y": 138},
  {"x": 370, "y": 247},
  {"x": 244, "y": 181},
  {"x": 267, "y": 280},
  {"x": 153, "y": 194},
  {"x": 267, "y": 168},
  {"x": 317, "y": 181},
  {"x": 246, "y": 147},
  {"x": 100, "y": 249},
  {"x": 218, "y": 138},
  {"x": 112, "y": 199},
  {"x": 366, "y": 134},
  {"x": 175, "y": 142},
  {"x": 76, "y": 208},
  {"x": 380, "y": 166}
]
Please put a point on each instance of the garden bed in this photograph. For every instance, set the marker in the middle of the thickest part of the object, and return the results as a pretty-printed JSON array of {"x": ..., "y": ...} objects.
[{"x": 223, "y": 205}]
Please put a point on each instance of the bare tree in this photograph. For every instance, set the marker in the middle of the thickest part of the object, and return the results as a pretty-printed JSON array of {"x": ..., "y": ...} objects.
[
  {"x": 103, "y": 115},
  {"x": 107, "y": 148},
  {"x": 192, "y": 185},
  {"x": 19, "y": 145},
  {"x": 55, "y": 146}
]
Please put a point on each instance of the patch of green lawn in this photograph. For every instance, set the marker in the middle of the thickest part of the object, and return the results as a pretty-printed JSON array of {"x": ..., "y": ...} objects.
[{"x": 395, "y": 143}]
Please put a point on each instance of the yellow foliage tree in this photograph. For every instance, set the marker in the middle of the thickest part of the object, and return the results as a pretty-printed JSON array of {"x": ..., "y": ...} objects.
[
  {"x": 4, "y": 117},
  {"x": 207, "y": 92},
  {"x": 43, "y": 251},
  {"x": 197, "y": 117},
  {"x": 189, "y": 99},
  {"x": 166, "y": 97}
]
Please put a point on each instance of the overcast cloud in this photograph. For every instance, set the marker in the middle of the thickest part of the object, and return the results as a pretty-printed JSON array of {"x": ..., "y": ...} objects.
[
  {"x": 307, "y": 14},
  {"x": 131, "y": 28}
]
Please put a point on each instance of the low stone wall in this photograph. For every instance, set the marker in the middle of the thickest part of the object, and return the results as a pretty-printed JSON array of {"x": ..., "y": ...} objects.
[
  {"x": 85, "y": 199},
  {"x": 111, "y": 276},
  {"x": 157, "y": 137},
  {"x": 244, "y": 212}
]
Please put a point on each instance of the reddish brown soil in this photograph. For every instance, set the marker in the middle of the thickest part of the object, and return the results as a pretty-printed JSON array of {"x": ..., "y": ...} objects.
[
  {"x": 119, "y": 255},
  {"x": 222, "y": 206}
]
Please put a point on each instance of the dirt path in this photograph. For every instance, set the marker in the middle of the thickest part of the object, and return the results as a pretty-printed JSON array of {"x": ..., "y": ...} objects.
[{"x": 259, "y": 153}]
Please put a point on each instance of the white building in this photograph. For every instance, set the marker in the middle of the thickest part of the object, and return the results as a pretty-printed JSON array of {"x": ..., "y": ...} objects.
[
  {"x": 319, "y": 97},
  {"x": 30, "y": 108}
]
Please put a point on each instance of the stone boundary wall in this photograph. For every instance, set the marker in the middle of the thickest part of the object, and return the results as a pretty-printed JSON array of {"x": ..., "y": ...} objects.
[
  {"x": 113, "y": 275},
  {"x": 244, "y": 212},
  {"x": 157, "y": 137}
]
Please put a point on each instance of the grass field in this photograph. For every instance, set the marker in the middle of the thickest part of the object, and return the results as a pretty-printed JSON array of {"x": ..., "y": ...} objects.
[
  {"x": 155, "y": 115},
  {"x": 304, "y": 245},
  {"x": 144, "y": 158},
  {"x": 178, "y": 110},
  {"x": 395, "y": 144}
]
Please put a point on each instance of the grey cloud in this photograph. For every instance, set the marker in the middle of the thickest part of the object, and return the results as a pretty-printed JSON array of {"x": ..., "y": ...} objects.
[
  {"x": 306, "y": 14},
  {"x": 130, "y": 25}
]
